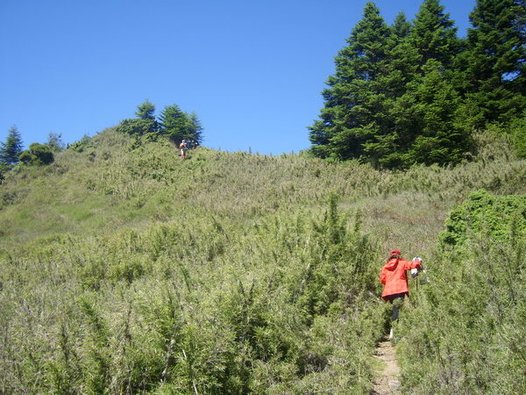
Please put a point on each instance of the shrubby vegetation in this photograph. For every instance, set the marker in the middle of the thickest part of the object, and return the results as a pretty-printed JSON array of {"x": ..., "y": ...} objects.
[
  {"x": 124, "y": 269},
  {"x": 234, "y": 273},
  {"x": 466, "y": 334},
  {"x": 182, "y": 305},
  {"x": 37, "y": 154},
  {"x": 12, "y": 153}
]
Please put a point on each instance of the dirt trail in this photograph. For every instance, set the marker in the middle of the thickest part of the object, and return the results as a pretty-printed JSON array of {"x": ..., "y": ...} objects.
[{"x": 387, "y": 381}]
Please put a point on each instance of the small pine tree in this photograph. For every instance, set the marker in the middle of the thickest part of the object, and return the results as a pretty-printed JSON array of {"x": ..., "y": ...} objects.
[
  {"x": 178, "y": 125},
  {"x": 145, "y": 110},
  {"x": 11, "y": 148}
]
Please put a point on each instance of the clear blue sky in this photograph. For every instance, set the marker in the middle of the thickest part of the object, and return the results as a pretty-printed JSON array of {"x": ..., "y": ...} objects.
[{"x": 252, "y": 70}]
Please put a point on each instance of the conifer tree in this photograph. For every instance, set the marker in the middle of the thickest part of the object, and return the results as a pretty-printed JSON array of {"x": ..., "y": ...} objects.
[
  {"x": 11, "y": 148},
  {"x": 403, "y": 57},
  {"x": 402, "y": 70},
  {"x": 425, "y": 115},
  {"x": 401, "y": 27},
  {"x": 178, "y": 125},
  {"x": 433, "y": 34},
  {"x": 495, "y": 59},
  {"x": 354, "y": 111},
  {"x": 391, "y": 101},
  {"x": 436, "y": 103},
  {"x": 145, "y": 110},
  {"x": 143, "y": 124}
]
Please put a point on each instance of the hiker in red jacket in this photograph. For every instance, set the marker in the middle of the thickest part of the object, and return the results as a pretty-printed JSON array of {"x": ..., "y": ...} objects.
[{"x": 394, "y": 279}]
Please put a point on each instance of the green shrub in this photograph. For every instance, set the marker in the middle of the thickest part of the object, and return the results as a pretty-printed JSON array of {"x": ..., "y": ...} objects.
[
  {"x": 466, "y": 333},
  {"x": 518, "y": 135},
  {"x": 37, "y": 154}
]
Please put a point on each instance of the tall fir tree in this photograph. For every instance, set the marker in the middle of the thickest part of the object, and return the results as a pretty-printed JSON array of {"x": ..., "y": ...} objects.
[
  {"x": 354, "y": 112},
  {"x": 434, "y": 34},
  {"x": 391, "y": 102},
  {"x": 401, "y": 26},
  {"x": 436, "y": 104},
  {"x": 426, "y": 114},
  {"x": 495, "y": 62},
  {"x": 403, "y": 57},
  {"x": 11, "y": 148},
  {"x": 390, "y": 149}
]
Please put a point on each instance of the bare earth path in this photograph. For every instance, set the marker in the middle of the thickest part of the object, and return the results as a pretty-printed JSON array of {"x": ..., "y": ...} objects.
[{"x": 387, "y": 380}]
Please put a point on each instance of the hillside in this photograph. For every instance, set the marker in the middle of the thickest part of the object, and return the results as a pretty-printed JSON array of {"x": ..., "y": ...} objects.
[{"x": 124, "y": 268}]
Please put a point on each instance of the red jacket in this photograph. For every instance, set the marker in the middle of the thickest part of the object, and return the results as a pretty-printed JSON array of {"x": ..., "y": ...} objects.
[{"x": 394, "y": 276}]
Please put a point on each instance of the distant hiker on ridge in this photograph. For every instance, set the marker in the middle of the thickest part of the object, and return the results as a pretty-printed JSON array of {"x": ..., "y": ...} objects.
[
  {"x": 183, "y": 147},
  {"x": 394, "y": 279}
]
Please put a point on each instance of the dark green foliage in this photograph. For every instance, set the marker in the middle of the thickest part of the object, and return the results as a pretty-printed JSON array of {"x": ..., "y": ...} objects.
[
  {"x": 355, "y": 107},
  {"x": 467, "y": 333},
  {"x": 433, "y": 34},
  {"x": 178, "y": 125},
  {"x": 391, "y": 102},
  {"x": 145, "y": 110},
  {"x": 136, "y": 126},
  {"x": 432, "y": 109},
  {"x": 413, "y": 93},
  {"x": 401, "y": 27},
  {"x": 495, "y": 217},
  {"x": 144, "y": 124},
  {"x": 11, "y": 148},
  {"x": 173, "y": 122},
  {"x": 37, "y": 154},
  {"x": 494, "y": 62}
]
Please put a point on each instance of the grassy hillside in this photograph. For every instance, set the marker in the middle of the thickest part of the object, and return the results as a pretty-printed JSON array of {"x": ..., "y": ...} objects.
[{"x": 126, "y": 269}]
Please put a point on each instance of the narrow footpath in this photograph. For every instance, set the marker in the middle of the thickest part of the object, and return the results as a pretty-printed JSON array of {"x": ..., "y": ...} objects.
[{"x": 387, "y": 380}]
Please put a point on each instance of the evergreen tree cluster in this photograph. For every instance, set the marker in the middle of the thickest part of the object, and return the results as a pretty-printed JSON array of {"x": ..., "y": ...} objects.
[
  {"x": 172, "y": 122},
  {"x": 12, "y": 151},
  {"x": 414, "y": 92}
]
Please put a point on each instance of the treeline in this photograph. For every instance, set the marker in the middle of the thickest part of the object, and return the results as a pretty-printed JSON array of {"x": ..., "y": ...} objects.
[
  {"x": 12, "y": 151},
  {"x": 172, "y": 123},
  {"x": 414, "y": 92}
]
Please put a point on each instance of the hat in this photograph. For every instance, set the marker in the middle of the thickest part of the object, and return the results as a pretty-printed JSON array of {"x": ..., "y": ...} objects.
[{"x": 395, "y": 252}]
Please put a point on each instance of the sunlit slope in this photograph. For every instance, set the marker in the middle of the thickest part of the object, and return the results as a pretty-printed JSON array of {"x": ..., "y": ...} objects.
[
  {"x": 116, "y": 181},
  {"x": 124, "y": 269}
]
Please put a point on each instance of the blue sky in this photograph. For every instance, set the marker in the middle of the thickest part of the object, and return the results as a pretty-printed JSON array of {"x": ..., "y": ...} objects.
[{"x": 252, "y": 70}]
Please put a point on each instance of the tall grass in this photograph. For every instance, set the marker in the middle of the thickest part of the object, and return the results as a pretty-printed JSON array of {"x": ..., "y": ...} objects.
[{"x": 125, "y": 269}]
